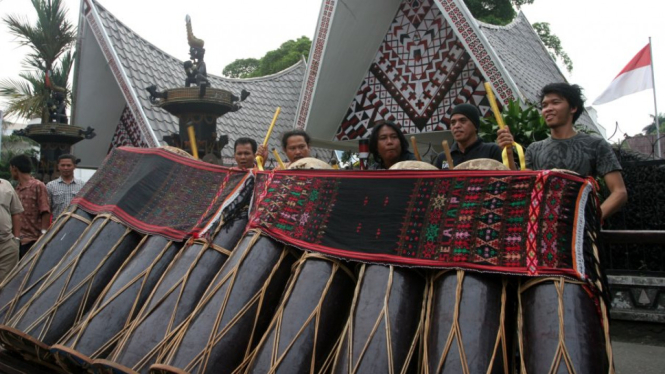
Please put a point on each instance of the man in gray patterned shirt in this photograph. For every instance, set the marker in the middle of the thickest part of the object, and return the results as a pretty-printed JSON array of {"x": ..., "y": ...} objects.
[
  {"x": 587, "y": 155},
  {"x": 62, "y": 190}
]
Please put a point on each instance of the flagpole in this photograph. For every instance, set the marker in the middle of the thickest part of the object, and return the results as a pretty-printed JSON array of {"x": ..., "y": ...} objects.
[{"x": 655, "y": 103}]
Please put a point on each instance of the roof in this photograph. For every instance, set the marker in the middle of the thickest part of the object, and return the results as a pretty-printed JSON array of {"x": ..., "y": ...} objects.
[
  {"x": 144, "y": 64},
  {"x": 526, "y": 59},
  {"x": 414, "y": 62},
  {"x": 523, "y": 55}
]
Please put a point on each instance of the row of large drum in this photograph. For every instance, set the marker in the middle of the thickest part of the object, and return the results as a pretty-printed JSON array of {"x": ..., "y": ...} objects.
[{"x": 95, "y": 296}]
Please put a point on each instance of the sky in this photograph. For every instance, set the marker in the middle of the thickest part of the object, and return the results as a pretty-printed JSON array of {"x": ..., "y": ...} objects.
[{"x": 600, "y": 36}]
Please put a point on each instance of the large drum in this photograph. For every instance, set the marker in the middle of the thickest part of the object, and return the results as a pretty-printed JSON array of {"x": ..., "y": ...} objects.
[
  {"x": 117, "y": 305},
  {"x": 563, "y": 328},
  {"x": 40, "y": 261},
  {"x": 234, "y": 312},
  {"x": 309, "y": 320},
  {"x": 170, "y": 303},
  {"x": 466, "y": 323},
  {"x": 383, "y": 331},
  {"x": 72, "y": 287}
]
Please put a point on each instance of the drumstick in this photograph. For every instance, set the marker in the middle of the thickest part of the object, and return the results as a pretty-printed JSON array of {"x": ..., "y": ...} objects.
[
  {"x": 415, "y": 148},
  {"x": 449, "y": 158},
  {"x": 192, "y": 142},
  {"x": 279, "y": 159},
  {"x": 499, "y": 120},
  {"x": 259, "y": 159}
]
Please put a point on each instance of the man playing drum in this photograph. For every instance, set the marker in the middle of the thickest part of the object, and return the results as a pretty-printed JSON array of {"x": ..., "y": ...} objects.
[
  {"x": 245, "y": 151},
  {"x": 464, "y": 124},
  {"x": 587, "y": 155},
  {"x": 295, "y": 144}
]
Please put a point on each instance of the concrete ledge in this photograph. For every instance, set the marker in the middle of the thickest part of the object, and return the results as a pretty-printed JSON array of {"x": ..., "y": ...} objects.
[{"x": 637, "y": 298}]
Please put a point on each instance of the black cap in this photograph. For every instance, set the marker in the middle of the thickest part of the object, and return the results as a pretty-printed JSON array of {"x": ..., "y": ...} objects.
[{"x": 470, "y": 112}]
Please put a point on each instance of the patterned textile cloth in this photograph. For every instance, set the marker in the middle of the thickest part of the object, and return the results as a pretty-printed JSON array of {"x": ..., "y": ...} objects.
[
  {"x": 158, "y": 192},
  {"x": 525, "y": 223}
]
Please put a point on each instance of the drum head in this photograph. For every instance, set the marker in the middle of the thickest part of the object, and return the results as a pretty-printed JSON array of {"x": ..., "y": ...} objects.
[
  {"x": 70, "y": 360},
  {"x": 566, "y": 172},
  {"x": 309, "y": 163},
  {"x": 25, "y": 344},
  {"x": 177, "y": 151},
  {"x": 413, "y": 165},
  {"x": 481, "y": 164}
]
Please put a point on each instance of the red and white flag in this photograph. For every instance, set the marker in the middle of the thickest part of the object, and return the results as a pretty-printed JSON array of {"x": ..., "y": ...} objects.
[{"x": 635, "y": 77}]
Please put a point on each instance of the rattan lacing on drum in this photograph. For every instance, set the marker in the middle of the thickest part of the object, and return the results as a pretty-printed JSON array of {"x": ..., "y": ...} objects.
[
  {"x": 276, "y": 322},
  {"x": 201, "y": 360},
  {"x": 384, "y": 315},
  {"x": 562, "y": 350},
  {"x": 456, "y": 332},
  {"x": 47, "y": 317},
  {"x": 33, "y": 255}
]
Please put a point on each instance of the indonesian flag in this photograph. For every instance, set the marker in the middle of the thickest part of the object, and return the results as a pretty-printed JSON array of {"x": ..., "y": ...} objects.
[{"x": 635, "y": 77}]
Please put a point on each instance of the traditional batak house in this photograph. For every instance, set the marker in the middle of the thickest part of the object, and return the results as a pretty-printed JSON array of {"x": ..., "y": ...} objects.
[{"x": 406, "y": 61}]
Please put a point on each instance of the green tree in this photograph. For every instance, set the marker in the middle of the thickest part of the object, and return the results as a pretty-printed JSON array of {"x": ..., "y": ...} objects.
[
  {"x": 502, "y": 12},
  {"x": 241, "y": 68},
  {"x": 553, "y": 44},
  {"x": 273, "y": 62},
  {"x": 50, "y": 41},
  {"x": 496, "y": 12},
  {"x": 651, "y": 128}
]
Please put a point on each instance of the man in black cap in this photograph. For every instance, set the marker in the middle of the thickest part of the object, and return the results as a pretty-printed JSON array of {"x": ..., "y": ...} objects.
[{"x": 464, "y": 123}]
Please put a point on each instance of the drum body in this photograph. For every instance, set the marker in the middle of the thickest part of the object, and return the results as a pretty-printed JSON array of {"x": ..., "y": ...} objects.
[
  {"x": 562, "y": 329},
  {"x": 40, "y": 261},
  {"x": 234, "y": 312},
  {"x": 309, "y": 320},
  {"x": 385, "y": 324},
  {"x": 466, "y": 320},
  {"x": 70, "y": 290},
  {"x": 172, "y": 300},
  {"x": 117, "y": 305}
]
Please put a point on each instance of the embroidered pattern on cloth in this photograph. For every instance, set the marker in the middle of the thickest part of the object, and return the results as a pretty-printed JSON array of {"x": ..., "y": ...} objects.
[
  {"x": 518, "y": 223},
  {"x": 420, "y": 72},
  {"x": 127, "y": 133},
  {"x": 157, "y": 192}
]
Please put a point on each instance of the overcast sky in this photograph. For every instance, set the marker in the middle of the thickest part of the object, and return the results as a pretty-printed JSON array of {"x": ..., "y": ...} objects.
[{"x": 600, "y": 36}]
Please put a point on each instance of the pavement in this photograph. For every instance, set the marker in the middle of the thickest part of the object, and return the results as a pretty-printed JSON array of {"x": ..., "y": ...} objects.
[{"x": 639, "y": 347}]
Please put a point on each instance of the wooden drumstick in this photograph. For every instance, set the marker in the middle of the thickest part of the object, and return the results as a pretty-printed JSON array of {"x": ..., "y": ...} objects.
[
  {"x": 415, "y": 148},
  {"x": 192, "y": 141},
  {"x": 259, "y": 159},
  {"x": 449, "y": 157},
  {"x": 279, "y": 159},
  {"x": 499, "y": 120}
]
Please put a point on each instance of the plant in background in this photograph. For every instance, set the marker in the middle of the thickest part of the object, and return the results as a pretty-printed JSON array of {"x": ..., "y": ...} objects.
[
  {"x": 526, "y": 124},
  {"x": 50, "y": 41}
]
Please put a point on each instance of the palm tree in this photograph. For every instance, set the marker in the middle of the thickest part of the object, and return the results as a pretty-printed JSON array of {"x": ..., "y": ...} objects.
[{"x": 50, "y": 41}]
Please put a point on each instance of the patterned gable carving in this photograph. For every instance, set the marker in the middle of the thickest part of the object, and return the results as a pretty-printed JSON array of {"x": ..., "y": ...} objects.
[
  {"x": 419, "y": 74},
  {"x": 127, "y": 133}
]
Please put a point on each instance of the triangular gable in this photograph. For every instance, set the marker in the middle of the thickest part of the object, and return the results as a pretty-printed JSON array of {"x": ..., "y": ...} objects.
[
  {"x": 432, "y": 57},
  {"x": 135, "y": 64},
  {"x": 92, "y": 17}
]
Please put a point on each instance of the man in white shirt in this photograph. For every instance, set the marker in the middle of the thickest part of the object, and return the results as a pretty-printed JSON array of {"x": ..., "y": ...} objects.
[{"x": 62, "y": 190}]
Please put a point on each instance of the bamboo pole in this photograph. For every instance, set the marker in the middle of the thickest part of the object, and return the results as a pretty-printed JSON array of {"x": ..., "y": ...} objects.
[
  {"x": 259, "y": 159},
  {"x": 415, "y": 148},
  {"x": 502, "y": 124},
  {"x": 449, "y": 157},
  {"x": 192, "y": 141},
  {"x": 279, "y": 159}
]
